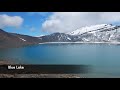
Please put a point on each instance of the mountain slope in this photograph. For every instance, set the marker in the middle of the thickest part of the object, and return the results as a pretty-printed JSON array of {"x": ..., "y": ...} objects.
[
  {"x": 56, "y": 37},
  {"x": 16, "y": 40},
  {"x": 8, "y": 40},
  {"x": 27, "y": 39}
]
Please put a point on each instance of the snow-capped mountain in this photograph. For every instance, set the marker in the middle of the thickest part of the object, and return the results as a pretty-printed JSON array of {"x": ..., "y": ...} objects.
[
  {"x": 92, "y": 28},
  {"x": 94, "y": 33},
  {"x": 98, "y": 33}
]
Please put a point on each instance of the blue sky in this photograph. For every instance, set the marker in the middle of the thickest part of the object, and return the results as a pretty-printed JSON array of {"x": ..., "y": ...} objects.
[
  {"x": 31, "y": 25},
  {"x": 42, "y": 23}
]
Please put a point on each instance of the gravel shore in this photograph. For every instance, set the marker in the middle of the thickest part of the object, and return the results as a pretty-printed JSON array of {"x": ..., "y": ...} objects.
[{"x": 39, "y": 76}]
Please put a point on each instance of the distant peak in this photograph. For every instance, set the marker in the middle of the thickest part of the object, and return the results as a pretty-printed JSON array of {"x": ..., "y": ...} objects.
[{"x": 90, "y": 28}]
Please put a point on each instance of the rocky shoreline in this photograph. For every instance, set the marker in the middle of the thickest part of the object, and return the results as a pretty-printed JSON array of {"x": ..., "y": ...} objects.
[
  {"x": 5, "y": 62},
  {"x": 39, "y": 76}
]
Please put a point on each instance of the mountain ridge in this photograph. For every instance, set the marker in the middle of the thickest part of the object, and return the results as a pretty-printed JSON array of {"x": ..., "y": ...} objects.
[{"x": 94, "y": 33}]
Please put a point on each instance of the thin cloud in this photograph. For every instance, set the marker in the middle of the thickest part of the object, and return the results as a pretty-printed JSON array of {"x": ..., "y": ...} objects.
[{"x": 32, "y": 29}]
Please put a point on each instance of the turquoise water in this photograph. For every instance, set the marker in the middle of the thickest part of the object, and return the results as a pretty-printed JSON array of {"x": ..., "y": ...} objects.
[{"x": 104, "y": 58}]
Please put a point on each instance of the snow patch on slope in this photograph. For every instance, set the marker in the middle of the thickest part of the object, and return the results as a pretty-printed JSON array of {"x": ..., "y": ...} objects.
[
  {"x": 22, "y": 39},
  {"x": 68, "y": 38},
  {"x": 40, "y": 36}
]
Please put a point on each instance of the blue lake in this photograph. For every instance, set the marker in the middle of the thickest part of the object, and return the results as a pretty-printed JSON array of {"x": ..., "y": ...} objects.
[{"x": 104, "y": 58}]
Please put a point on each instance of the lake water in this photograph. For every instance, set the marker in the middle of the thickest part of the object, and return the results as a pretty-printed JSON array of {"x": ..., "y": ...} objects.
[{"x": 104, "y": 58}]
